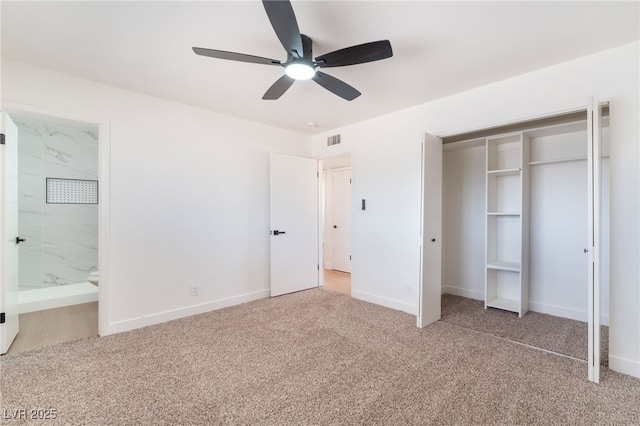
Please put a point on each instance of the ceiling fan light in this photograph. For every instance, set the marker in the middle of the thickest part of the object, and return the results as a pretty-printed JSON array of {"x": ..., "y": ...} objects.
[{"x": 300, "y": 71}]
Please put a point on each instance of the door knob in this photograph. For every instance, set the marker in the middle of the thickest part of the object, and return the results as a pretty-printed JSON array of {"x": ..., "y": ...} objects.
[
  {"x": 335, "y": 226},
  {"x": 276, "y": 232},
  {"x": 20, "y": 240}
]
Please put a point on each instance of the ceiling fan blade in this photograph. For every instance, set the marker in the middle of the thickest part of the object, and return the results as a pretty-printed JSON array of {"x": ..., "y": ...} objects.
[
  {"x": 336, "y": 86},
  {"x": 221, "y": 54},
  {"x": 278, "y": 88},
  {"x": 284, "y": 23},
  {"x": 367, "y": 52}
]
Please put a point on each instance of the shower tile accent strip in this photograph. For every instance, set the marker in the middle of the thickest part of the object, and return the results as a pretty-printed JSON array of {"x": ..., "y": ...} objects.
[{"x": 72, "y": 191}]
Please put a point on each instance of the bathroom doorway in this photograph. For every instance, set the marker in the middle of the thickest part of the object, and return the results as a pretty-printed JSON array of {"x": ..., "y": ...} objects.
[
  {"x": 59, "y": 222},
  {"x": 336, "y": 223}
]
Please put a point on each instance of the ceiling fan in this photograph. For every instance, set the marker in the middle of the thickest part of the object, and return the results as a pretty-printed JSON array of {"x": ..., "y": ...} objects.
[{"x": 299, "y": 65}]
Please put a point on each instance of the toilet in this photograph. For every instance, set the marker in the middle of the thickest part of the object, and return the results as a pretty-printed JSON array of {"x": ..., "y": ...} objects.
[{"x": 93, "y": 277}]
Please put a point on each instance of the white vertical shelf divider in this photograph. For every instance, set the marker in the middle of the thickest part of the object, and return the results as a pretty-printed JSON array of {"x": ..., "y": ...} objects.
[
  {"x": 507, "y": 223},
  {"x": 524, "y": 230}
]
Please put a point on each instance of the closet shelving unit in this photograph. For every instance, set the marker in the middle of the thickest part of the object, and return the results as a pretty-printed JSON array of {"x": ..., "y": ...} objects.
[
  {"x": 507, "y": 226},
  {"x": 531, "y": 151}
]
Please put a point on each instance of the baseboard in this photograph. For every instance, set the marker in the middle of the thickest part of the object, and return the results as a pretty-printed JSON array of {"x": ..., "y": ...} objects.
[
  {"x": 463, "y": 292},
  {"x": 624, "y": 366},
  {"x": 543, "y": 308},
  {"x": 560, "y": 311},
  {"x": 160, "y": 317},
  {"x": 385, "y": 301}
]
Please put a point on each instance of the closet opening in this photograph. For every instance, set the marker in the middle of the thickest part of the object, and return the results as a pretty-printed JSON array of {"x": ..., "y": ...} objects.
[{"x": 515, "y": 261}]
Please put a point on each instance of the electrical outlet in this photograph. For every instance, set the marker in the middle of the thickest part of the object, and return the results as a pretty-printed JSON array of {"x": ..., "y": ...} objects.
[
  {"x": 195, "y": 289},
  {"x": 409, "y": 290}
]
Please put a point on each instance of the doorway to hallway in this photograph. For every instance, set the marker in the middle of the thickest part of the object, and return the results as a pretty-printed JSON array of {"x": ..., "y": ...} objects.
[
  {"x": 337, "y": 281},
  {"x": 336, "y": 213}
]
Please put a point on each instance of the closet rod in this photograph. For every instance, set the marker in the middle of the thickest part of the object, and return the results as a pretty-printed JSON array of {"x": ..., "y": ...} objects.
[{"x": 562, "y": 160}]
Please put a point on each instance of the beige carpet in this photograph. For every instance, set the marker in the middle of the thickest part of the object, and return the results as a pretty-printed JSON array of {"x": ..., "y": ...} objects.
[
  {"x": 315, "y": 357},
  {"x": 548, "y": 332}
]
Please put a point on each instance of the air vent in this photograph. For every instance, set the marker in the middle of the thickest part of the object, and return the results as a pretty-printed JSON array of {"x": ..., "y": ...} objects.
[{"x": 333, "y": 140}]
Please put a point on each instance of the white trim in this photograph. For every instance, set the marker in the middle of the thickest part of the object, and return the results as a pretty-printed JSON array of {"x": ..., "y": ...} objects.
[
  {"x": 322, "y": 189},
  {"x": 104, "y": 223},
  {"x": 624, "y": 366},
  {"x": 594, "y": 218},
  {"x": 104, "y": 178},
  {"x": 338, "y": 169},
  {"x": 520, "y": 120},
  {"x": 385, "y": 301},
  {"x": 541, "y": 308},
  {"x": 463, "y": 292},
  {"x": 560, "y": 311},
  {"x": 173, "y": 314}
]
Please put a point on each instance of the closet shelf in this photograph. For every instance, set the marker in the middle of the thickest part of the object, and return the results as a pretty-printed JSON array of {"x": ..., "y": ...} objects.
[
  {"x": 503, "y": 172},
  {"x": 563, "y": 160},
  {"x": 505, "y": 304},
  {"x": 504, "y": 265},
  {"x": 503, "y": 214}
]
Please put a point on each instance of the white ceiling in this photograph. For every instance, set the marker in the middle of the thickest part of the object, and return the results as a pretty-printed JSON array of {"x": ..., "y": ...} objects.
[{"x": 440, "y": 48}]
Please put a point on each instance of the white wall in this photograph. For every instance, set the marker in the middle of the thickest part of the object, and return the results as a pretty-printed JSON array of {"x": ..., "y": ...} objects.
[
  {"x": 189, "y": 196},
  {"x": 386, "y": 171},
  {"x": 463, "y": 225},
  {"x": 385, "y": 244}
]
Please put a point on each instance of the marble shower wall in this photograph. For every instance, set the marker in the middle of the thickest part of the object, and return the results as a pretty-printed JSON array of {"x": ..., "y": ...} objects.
[{"x": 61, "y": 239}]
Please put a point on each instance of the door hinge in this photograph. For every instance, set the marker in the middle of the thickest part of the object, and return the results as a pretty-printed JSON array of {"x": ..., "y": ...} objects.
[
  {"x": 349, "y": 257},
  {"x": 318, "y": 266},
  {"x": 349, "y": 180},
  {"x": 1, "y": 138},
  {"x": 2, "y": 318},
  {"x": 317, "y": 174}
]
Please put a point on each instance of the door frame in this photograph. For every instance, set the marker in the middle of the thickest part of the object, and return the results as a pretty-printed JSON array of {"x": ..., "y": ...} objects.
[
  {"x": 594, "y": 173},
  {"x": 104, "y": 172},
  {"x": 321, "y": 212},
  {"x": 594, "y": 114}
]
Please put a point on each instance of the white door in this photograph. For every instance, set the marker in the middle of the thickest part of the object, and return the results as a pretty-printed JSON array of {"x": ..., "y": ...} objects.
[
  {"x": 9, "y": 233},
  {"x": 294, "y": 224},
  {"x": 341, "y": 215},
  {"x": 593, "y": 250},
  {"x": 431, "y": 235}
]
